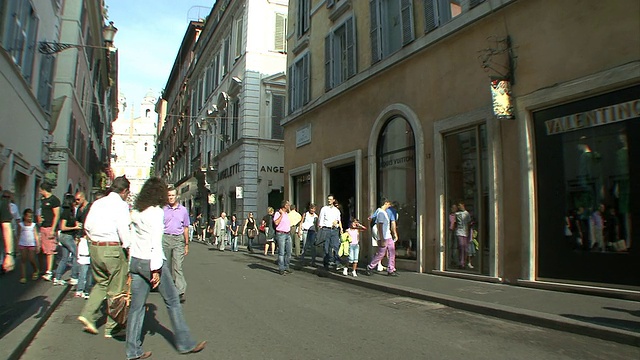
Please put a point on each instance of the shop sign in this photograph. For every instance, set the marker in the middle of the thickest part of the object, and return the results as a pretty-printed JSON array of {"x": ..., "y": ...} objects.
[
  {"x": 393, "y": 161},
  {"x": 602, "y": 116},
  {"x": 272, "y": 169},
  {"x": 230, "y": 171},
  {"x": 303, "y": 135},
  {"x": 238, "y": 192}
]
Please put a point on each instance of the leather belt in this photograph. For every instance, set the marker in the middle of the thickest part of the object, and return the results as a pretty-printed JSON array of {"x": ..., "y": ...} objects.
[
  {"x": 105, "y": 243},
  {"x": 282, "y": 232},
  {"x": 329, "y": 227}
]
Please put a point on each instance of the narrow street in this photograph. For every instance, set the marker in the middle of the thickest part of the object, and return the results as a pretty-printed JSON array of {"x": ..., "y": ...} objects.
[{"x": 245, "y": 310}]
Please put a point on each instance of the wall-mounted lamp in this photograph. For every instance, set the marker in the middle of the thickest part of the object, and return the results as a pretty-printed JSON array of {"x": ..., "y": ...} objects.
[{"x": 53, "y": 47}]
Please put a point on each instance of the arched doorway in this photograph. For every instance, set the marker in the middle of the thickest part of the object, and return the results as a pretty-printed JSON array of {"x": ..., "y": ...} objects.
[{"x": 396, "y": 180}]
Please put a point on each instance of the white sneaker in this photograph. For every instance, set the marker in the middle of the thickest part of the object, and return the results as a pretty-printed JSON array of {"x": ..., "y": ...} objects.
[
  {"x": 73, "y": 281},
  {"x": 470, "y": 266},
  {"x": 380, "y": 268},
  {"x": 47, "y": 276},
  {"x": 345, "y": 271},
  {"x": 59, "y": 282},
  {"x": 355, "y": 274}
]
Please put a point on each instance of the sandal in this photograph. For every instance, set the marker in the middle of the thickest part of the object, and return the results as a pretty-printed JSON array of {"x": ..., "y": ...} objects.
[
  {"x": 35, "y": 276},
  {"x": 23, "y": 280}
]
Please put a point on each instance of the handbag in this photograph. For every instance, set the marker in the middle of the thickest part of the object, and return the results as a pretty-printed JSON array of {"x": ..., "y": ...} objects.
[
  {"x": 251, "y": 233},
  {"x": 118, "y": 305},
  {"x": 262, "y": 227}
]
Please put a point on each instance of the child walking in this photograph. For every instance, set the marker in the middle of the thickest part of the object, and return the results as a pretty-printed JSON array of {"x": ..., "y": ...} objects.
[
  {"x": 354, "y": 247},
  {"x": 85, "y": 276},
  {"x": 29, "y": 245}
]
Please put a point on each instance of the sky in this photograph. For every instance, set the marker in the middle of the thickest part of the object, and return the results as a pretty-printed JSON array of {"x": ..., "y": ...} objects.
[{"x": 149, "y": 35}]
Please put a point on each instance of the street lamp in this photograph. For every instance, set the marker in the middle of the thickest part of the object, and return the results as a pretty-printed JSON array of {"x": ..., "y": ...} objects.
[{"x": 53, "y": 47}]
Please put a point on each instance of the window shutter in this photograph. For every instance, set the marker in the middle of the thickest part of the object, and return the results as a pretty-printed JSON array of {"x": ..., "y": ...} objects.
[
  {"x": 225, "y": 56},
  {"x": 307, "y": 19},
  {"x": 430, "y": 16},
  {"x": 280, "y": 41},
  {"x": 407, "y": 21},
  {"x": 306, "y": 85},
  {"x": 45, "y": 86},
  {"x": 328, "y": 62},
  {"x": 239, "y": 35},
  {"x": 351, "y": 47},
  {"x": 290, "y": 90},
  {"x": 277, "y": 114},
  {"x": 9, "y": 26},
  {"x": 474, "y": 3},
  {"x": 375, "y": 32}
]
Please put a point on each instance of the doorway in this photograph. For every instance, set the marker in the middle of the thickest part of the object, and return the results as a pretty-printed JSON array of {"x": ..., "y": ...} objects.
[{"x": 342, "y": 184}]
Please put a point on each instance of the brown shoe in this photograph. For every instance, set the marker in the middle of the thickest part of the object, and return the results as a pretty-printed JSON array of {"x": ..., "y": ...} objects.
[
  {"x": 198, "y": 347},
  {"x": 146, "y": 354}
]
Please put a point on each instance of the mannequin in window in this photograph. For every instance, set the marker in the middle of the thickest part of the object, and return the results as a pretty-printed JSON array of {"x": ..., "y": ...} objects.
[
  {"x": 621, "y": 188},
  {"x": 589, "y": 175}
]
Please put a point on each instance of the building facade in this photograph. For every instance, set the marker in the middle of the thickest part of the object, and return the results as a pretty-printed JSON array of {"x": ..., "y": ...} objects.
[
  {"x": 133, "y": 142},
  {"x": 37, "y": 141},
  {"x": 522, "y": 110},
  {"x": 233, "y": 103}
]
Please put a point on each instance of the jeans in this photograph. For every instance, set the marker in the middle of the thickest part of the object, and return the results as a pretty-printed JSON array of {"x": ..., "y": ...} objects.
[
  {"x": 140, "y": 287},
  {"x": 85, "y": 278},
  {"x": 234, "y": 243},
  {"x": 331, "y": 244},
  {"x": 174, "y": 247},
  {"x": 69, "y": 248},
  {"x": 284, "y": 250},
  {"x": 354, "y": 253},
  {"x": 309, "y": 243}
]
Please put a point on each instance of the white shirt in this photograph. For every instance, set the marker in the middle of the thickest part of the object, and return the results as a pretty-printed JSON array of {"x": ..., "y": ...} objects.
[
  {"x": 147, "y": 228},
  {"x": 109, "y": 220},
  {"x": 309, "y": 220},
  {"x": 328, "y": 214},
  {"x": 383, "y": 218}
]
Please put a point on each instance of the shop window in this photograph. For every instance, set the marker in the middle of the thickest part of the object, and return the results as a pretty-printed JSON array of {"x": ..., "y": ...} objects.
[
  {"x": 585, "y": 171},
  {"x": 467, "y": 196},
  {"x": 302, "y": 191},
  {"x": 396, "y": 164}
]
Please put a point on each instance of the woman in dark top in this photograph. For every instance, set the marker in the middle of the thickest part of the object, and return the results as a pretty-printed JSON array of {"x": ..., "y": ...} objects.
[
  {"x": 233, "y": 228},
  {"x": 268, "y": 228},
  {"x": 250, "y": 230},
  {"x": 68, "y": 229}
]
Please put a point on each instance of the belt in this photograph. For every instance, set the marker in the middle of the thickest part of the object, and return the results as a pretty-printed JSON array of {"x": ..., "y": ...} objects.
[
  {"x": 174, "y": 234},
  {"x": 105, "y": 243},
  {"x": 282, "y": 232},
  {"x": 329, "y": 227}
]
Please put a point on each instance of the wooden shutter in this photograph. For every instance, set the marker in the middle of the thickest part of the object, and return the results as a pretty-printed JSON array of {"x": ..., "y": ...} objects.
[
  {"x": 430, "y": 16},
  {"x": 280, "y": 38},
  {"x": 290, "y": 91},
  {"x": 239, "y": 35},
  {"x": 45, "y": 85},
  {"x": 306, "y": 83},
  {"x": 225, "y": 56},
  {"x": 406, "y": 8},
  {"x": 351, "y": 47},
  {"x": 277, "y": 114},
  {"x": 307, "y": 18},
  {"x": 375, "y": 32},
  {"x": 328, "y": 62}
]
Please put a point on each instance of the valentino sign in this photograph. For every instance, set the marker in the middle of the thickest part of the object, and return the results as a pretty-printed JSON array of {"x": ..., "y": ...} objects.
[{"x": 596, "y": 117}]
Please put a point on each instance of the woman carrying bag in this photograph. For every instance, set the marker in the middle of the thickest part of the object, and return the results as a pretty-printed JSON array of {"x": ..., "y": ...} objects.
[{"x": 250, "y": 230}]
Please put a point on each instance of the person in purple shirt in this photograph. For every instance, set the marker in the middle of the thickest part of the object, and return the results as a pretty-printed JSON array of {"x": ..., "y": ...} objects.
[{"x": 175, "y": 242}]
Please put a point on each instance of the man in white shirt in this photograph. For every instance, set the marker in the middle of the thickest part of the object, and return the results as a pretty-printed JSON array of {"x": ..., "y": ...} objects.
[
  {"x": 330, "y": 229},
  {"x": 107, "y": 231},
  {"x": 220, "y": 231}
]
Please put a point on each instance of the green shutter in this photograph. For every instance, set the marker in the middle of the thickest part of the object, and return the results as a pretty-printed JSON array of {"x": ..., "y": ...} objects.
[
  {"x": 280, "y": 38},
  {"x": 375, "y": 31},
  {"x": 406, "y": 9},
  {"x": 328, "y": 62},
  {"x": 430, "y": 16},
  {"x": 306, "y": 79},
  {"x": 277, "y": 114},
  {"x": 351, "y": 47}
]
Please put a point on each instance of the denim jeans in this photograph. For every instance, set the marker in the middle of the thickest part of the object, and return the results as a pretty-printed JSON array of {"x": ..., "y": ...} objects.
[
  {"x": 140, "y": 287},
  {"x": 234, "y": 243},
  {"x": 284, "y": 250},
  {"x": 354, "y": 253},
  {"x": 309, "y": 244},
  {"x": 331, "y": 247},
  {"x": 85, "y": 278},
  {"x": 69, "y": 248}
]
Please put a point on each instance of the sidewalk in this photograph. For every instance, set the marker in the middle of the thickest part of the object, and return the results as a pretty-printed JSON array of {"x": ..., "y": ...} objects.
[
  {"x": 24, "y": 308},
  {"x": 600, "y": 317}
]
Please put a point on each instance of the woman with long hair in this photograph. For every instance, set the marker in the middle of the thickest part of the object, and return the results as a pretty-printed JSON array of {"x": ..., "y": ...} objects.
[
  {"x": 148, "y": 270},
  {"x": 250, "y": 229},
  {"x": 68, "y": 228},
  {"x": 269, "y": 230},
  {"x": 233, "y": 228}
]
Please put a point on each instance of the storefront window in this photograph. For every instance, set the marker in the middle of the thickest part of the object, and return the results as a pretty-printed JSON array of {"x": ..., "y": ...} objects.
[
  {"x": 586, "y": 201},
  {"x": 397, "y": 181},
  {"x": 302, "y": 191},
  {"x": 467, "y": 193}
]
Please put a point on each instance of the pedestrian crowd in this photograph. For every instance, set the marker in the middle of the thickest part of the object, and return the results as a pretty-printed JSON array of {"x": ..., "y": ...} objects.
[{"x": 111, "y": 248}]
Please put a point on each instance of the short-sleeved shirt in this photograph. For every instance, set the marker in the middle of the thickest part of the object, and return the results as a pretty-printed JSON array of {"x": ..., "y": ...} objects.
[
  {"x": 285, "y": 223},
  {"x": 383, "y": 218},
  {"x": 176, "y": 219},
  {"x": 47, "y": 205},
  {"x": 67, "y": 214}
]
